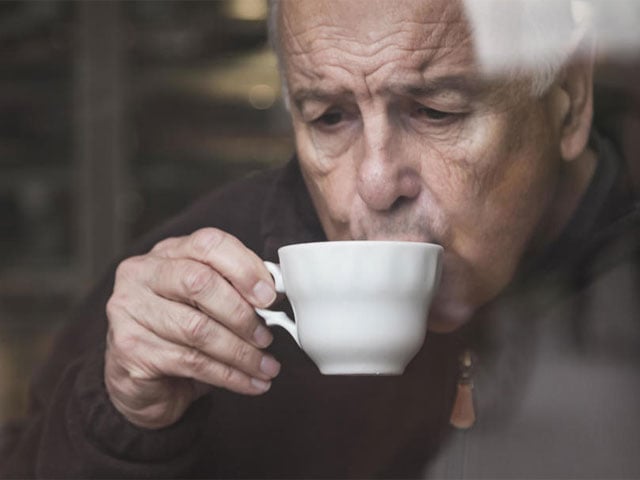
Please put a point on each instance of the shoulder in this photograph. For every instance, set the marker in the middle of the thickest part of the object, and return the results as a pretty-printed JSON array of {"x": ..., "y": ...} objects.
[{"x": 236, "y": 208}]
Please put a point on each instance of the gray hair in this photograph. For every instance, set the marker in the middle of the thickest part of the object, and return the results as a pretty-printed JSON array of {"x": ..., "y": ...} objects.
[{"x": 536, "y": 45}]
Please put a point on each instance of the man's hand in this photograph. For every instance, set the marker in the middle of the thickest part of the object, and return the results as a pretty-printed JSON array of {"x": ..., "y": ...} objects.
[{"x": 181, "y": 320}]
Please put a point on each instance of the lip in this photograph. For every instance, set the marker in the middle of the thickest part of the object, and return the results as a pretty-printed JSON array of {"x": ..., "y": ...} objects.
[{"x": 401, "y": 238}]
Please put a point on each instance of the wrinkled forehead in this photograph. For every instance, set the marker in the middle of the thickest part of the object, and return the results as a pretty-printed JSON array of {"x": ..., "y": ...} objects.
[{"x": 363, "y": 27}]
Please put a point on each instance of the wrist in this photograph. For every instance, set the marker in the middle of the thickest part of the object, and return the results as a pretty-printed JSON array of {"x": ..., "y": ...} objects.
[{"x": 110, "y": 431}]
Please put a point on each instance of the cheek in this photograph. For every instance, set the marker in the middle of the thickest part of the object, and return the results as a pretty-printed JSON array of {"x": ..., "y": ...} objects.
[
  {"x": 456, "y": 169},
  {"x": 331, "y": 183},
  {"x": 485, "y": 175},
  {"x": 500, "y": 178}
]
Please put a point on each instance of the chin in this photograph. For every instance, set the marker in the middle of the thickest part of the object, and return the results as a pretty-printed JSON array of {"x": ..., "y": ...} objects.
[{"x": 449, "y": 317}]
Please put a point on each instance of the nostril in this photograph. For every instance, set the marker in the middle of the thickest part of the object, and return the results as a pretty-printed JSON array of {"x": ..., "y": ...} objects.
[
  {"x": 399, "y": 203},
  {"x": 402, "y": 202}
]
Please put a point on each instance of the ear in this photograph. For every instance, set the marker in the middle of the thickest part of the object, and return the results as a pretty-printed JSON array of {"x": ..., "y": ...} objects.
[{"x": 576, "y": 89}]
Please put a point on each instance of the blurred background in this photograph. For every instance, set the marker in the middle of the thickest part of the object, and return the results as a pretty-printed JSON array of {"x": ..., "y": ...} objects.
[{"x": 114, "y": 115}]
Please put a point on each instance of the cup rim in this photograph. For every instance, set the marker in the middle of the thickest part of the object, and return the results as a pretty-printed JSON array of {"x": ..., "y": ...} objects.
[{"x": 366, "y": 243}]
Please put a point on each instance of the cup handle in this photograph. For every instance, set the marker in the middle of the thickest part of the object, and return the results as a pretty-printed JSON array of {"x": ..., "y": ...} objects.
[{"x": 271, "y": 317}]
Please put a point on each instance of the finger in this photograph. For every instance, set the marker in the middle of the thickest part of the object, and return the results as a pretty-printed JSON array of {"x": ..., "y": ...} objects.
[
  {"x": 166, "y": 244},
  {"x": 187, "y": 326},
  {"x": 189, "y": 281},
  {"x": 146, "y": 356},
  {"x": 189, "y": 362},
  {"x": 231, "y": 258}
]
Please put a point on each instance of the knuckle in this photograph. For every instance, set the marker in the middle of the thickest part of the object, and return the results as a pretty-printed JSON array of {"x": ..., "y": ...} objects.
[
  {"x": 122, "y": 342},
  {"x": 113, "y": 307},
  {"x": 205, "y": 240},
  {"x": 227, "y": 375},
  {"x": 193, "y": 360},
  {"x": 245, "y": 274},
  {"x": 197, "y": 329},
  {"x": 129, "y": 268},
  {"x": 112, "y": 341},
  {"x": 117, "y": 305},
  {"x": 242, "y": 319},
  {"x": 242, "y": 354},
  {"x": 130, "y": 265},
  {"x": 197, "y": 278},
  {"x": 163, "y": 245}
]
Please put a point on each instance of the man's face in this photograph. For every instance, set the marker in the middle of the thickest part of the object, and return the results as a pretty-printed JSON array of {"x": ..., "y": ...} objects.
[{"x": 399, "y": 138}]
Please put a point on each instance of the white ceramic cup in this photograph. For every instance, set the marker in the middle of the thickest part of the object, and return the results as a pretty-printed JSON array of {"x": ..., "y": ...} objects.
[{"x": 360, "y": 307}]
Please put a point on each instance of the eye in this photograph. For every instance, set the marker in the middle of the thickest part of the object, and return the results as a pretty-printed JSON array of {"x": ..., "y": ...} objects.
[
  {"x": 329, "y": 118},
  {"x": 432, "y": 113}
]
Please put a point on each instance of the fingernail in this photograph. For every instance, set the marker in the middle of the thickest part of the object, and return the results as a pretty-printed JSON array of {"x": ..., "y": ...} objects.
[
  {"x": 260, "y": 384},
  {"x": 264, "y": 293},
  {"x": 269, "y": 366},
  {"x": 262, "y": 336}
]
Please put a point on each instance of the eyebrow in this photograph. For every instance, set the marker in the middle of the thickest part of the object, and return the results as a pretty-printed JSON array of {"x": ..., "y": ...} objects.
[
  {"x": 470, "y": 87},
  {"x": 303, "y": 95},
  {"x": 465, "y": 85}
]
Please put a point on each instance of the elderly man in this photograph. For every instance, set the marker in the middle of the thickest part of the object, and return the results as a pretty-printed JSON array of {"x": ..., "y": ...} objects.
[{"x": 399, "y": 135}]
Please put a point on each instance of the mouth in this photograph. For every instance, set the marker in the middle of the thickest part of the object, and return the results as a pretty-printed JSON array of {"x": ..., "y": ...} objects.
[
  {"x": 406, "y": 226},
  {"x": 400, "y": 238}
]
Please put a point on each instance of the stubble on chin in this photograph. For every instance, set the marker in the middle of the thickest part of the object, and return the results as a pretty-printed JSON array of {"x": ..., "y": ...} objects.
[{"x": 451, "y": 307}]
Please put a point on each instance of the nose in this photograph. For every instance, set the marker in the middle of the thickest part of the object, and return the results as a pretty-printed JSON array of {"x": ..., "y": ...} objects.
[{"x": 386, "y": 176}]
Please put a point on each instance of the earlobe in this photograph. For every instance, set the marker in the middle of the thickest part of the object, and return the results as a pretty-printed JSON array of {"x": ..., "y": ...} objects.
[{"x": 577, "y": 89}]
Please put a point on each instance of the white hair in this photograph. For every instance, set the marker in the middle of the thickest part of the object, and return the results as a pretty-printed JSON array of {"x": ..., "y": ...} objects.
[{"x": 532, "y": 39}]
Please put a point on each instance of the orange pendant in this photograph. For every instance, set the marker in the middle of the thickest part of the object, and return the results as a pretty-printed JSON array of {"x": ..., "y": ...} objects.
[{"x": 463, "y": 414}]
